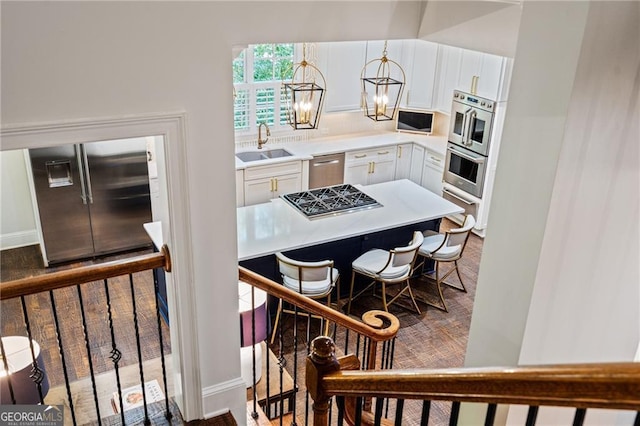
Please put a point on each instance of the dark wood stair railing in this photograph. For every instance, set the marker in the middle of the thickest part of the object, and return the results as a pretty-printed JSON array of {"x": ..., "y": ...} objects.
[
  {"x": 80, "y": 277},
  {"x": 582, "y": 386},
  {"x": 374, "y": 334}
]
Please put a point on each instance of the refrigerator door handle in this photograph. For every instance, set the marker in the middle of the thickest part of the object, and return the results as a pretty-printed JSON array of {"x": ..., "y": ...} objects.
[
  {"x": 83, "y": 188},
  {"x": 87, "y": 175}
]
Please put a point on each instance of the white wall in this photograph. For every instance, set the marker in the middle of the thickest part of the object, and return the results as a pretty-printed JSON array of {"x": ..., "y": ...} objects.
[
  {"x": 114, "y": 59},
  {"x": 567, "y": 199},
  {"x": 17, "y": 223}
]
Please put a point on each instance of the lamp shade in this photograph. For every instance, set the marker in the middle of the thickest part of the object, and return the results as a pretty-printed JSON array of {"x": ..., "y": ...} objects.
[
  {"x": 20, "y": 362},
  {"x": 381, "y": 92},
  {"x": 305, "y": 95},
  {"x": 257, "y": 310}
]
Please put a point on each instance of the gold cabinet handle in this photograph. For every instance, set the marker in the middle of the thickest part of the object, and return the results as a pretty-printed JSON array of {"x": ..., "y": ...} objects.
[
  {"x": 360, "y": 155},
  {"x": 383, "y": 152},
  {"x": 271, "y": 184},
  {"x": 400, "y": 150},
  {"x": 373, "y": 167},
  {"x": 276, "y": 185}
]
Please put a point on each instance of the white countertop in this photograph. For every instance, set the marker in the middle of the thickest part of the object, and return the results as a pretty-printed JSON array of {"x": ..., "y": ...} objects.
[
  {"x": 154, "y": 230},
  {"x": 277, "y": 226},
  {"x": 307, "y": 149}
]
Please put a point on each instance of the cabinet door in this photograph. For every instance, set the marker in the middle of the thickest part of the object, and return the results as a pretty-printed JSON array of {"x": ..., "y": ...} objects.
[
  {"x": 432, "y": 172},
  {"x": 420, "y": 91},
  {"x": 287, "y": 184},
  {"x": 357, "y": 173},
  {"x": 417, "y": 163},
  {"x": 382, "y": 171},
  {"x": 344, "y": 61},
  {"x": 448, "y": 72},
  {"x": 258, "y": 191},
  {"x": 403, "y": 161},
  {"x": 491, "y": 76},
  {"x": 470, "y": 66},
  {"x": 239, "y": 188}
]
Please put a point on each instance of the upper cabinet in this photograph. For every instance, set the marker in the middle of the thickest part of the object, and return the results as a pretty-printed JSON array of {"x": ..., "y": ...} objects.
[
  {"x": 432, "y": 72},
  {"x": 421, "y": 73},
  {"x": 461, "y": 69},
  {"x": 341, "y": 64}
]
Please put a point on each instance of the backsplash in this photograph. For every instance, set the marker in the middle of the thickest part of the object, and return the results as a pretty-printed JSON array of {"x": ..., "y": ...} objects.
[{"x": 336, "y": 124}]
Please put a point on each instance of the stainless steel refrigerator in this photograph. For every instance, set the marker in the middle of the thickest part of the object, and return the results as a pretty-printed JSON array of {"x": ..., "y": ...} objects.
[{"x": 93, "y": 198}]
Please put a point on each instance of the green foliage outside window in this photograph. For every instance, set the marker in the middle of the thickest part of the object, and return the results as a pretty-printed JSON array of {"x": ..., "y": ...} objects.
[{"x": 269, "y": 65}]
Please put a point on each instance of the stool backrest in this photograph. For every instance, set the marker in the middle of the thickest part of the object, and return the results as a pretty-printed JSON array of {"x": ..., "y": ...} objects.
[
  {"x": 406, "y": 255},
  {"x": 459, "y": 236},
  {"x": 305, "y": 271}
]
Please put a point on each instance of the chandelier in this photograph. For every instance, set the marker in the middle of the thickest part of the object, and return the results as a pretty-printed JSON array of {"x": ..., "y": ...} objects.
[
  {"x": 381, "y": 93},
  {"x": 304, "y": 96}
]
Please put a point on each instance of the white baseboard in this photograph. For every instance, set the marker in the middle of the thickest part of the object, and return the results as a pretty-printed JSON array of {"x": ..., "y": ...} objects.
[
  {"x": 18, "y": 239},
  {"x": 223, "y": 398}
]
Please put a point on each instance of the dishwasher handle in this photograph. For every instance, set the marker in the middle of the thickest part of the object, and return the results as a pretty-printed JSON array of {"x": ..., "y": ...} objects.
[{"x": 324, "y": 163}]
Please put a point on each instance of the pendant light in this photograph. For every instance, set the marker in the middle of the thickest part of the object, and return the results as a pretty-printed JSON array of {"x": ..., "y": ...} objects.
[
  {"x": 304, "y": 97},
  {"x": 381, "y": 93}
]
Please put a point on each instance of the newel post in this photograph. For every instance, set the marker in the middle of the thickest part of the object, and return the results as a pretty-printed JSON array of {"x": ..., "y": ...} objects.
[{"x": 320, "y": 362}]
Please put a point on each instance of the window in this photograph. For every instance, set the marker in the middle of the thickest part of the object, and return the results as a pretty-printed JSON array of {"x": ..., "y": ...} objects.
[{"x": 258, "y": 73}]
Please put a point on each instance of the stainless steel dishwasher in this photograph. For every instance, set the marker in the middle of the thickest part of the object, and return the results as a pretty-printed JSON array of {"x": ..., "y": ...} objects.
[{"x": 326, "y": 170}]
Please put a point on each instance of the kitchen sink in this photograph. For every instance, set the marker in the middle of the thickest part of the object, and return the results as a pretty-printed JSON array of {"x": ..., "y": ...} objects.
[{"x": 249, "y": 156}]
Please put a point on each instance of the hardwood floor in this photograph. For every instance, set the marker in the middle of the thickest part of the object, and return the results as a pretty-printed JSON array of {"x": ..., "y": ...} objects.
[{"x": 434, "y": 339}]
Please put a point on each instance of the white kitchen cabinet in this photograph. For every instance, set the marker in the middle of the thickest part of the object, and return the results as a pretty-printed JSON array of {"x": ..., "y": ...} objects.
[
  {"x": 433, "y": 171},
  {"x": 403, "y": 161},
  {"x": 263, "y": 183},
  {"x": 370, "y": 166},
  {"x": 421, "y": 74},
  {"x": 486, "y": 68},
  {"x": 458, "y": 68},
  {"x": 417, "y": 163},
  {"x": 341, "y": 63},
  {"x": 239, "y": 188}
]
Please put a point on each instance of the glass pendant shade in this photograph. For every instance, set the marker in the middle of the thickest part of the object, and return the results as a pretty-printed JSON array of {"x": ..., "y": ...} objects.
[
  {"x": 381, "y": 93},
  {"x": 304, "y": 96}
]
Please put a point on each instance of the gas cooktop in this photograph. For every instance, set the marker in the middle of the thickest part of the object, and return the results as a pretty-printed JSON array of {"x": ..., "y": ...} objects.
[{"x": 330, "y": 200}]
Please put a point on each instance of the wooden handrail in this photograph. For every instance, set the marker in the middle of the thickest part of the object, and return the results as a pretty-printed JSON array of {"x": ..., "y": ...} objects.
[
  {"x": 85, "y": 274},
  {"x": 605, "y": 385},
  {"x": 372, "y": 325}
]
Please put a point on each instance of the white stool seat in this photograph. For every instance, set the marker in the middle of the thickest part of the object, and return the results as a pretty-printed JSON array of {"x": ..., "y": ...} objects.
[
  {"x": 432, "y": 243},
  {"x": 372, "y": 263},
  {"x": 387, "y": 267}
]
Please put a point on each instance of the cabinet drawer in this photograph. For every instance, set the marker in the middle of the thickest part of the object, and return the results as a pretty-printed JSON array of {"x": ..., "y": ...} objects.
[
  {"x": 434, "y": 160},
  {"x": 378, "y": 154},
  {"x": 260, "y": 172}
]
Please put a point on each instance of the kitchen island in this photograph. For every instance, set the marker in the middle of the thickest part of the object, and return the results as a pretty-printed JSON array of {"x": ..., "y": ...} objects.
[{"x": 264, "y": 229}]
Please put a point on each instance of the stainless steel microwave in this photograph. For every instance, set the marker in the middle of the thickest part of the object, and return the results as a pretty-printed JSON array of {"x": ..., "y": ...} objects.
[{"x": 415, "y": 121}]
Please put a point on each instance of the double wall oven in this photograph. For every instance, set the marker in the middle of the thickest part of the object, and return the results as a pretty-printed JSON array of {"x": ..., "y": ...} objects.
[{"x": 469, "y": 142}]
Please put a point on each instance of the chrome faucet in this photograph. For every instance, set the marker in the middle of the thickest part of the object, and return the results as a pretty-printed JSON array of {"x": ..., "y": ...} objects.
[{"x": 260, "y": 140}]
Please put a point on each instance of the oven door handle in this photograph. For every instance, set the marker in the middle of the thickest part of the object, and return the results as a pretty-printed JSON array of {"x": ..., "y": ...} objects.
[
  {"x": 477, "y": 160},
  {"x": 464, "y": 125},
  {"x": 472, "y": 120}
]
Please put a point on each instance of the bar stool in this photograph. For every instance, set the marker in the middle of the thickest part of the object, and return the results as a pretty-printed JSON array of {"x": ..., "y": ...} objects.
[
  {"x": 387, "y": 267},
  {"x": 443, "y": 248},
  {"x": 315, "y": 280}
]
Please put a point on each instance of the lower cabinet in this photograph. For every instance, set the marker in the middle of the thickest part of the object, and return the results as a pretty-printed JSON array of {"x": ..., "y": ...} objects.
[
  {"x": 432, "y": 172},
  {"x": 403, "y": 161},
  {"x": 417, "y": 164},
  {"x": 370, "y": 166},
  {"x": 263, "y": 183}
]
